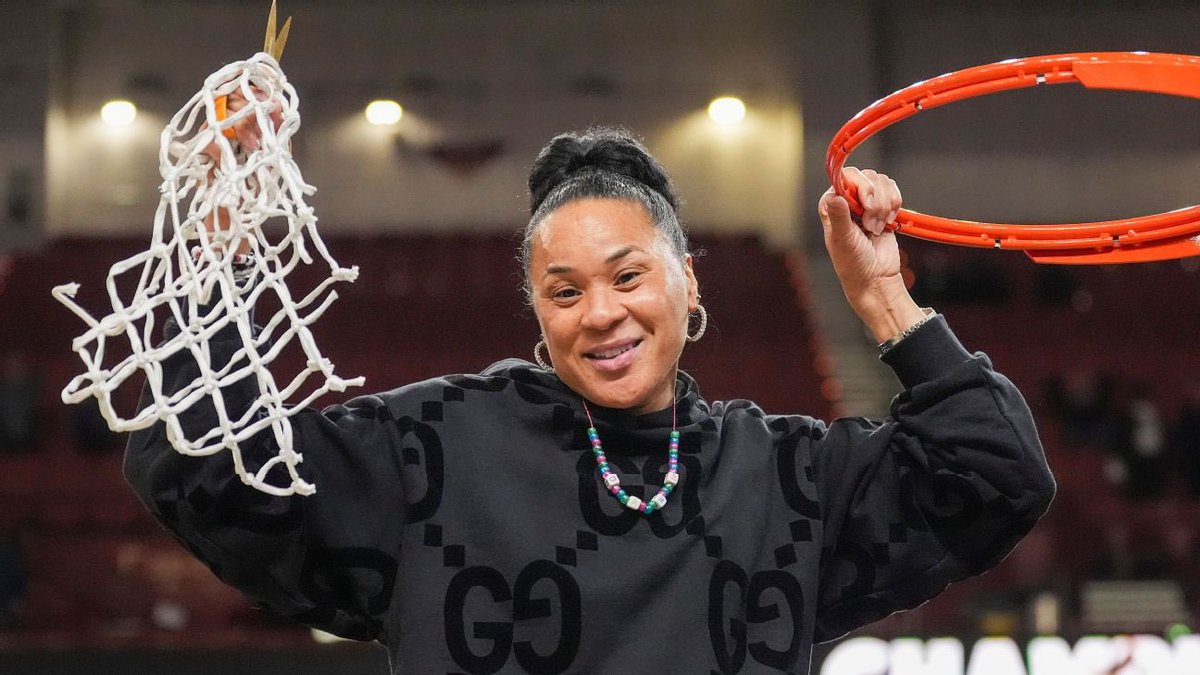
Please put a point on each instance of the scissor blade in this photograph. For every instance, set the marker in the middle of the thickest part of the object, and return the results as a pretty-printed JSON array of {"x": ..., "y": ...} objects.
[
  {"x": 269, "y": 40},
  {"x": 281, "y": 40}
]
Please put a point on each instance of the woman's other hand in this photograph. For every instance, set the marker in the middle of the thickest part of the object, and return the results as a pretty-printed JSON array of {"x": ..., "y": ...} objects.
[
  {"x": 866, "y": 257},
  {"x": 248, "y": 135},
  {"x": 247, "y": 132}
]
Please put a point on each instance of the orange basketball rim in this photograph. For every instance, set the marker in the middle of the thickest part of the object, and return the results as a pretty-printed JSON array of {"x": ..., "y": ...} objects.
[{"x": 1163, "y": 236}]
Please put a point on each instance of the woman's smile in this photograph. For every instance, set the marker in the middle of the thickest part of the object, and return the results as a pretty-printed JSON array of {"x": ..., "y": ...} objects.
[{"x": 614, "y": 358}]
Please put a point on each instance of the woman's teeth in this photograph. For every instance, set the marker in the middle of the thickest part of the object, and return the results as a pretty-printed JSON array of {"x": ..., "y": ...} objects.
[{"x": 612, "y": 352}]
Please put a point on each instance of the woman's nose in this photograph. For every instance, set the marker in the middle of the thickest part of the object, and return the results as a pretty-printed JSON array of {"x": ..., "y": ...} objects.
[{"x": 604, "y": 310}]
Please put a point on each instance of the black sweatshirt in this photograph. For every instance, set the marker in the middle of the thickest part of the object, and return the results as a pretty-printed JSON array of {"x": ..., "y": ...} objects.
[{"x": 462, "y": 520}]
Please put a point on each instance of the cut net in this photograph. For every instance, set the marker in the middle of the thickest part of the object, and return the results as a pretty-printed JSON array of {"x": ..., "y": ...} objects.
[{"x": 186, "y": 276}]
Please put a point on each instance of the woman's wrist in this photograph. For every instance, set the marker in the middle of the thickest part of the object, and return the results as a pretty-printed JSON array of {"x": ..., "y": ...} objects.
[{"x": 887, "y": 309}]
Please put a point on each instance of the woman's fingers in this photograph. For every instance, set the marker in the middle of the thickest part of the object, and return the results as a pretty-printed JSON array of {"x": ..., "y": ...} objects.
[
  {"x": 875, "y": 217},
  {"x": 246, "y": 131},
  {"x": 879, "y": 195},
  {"x": 894, "y": 199},
  {"x": 887, "y": 200},
  {"x": 864, "y": 187}
]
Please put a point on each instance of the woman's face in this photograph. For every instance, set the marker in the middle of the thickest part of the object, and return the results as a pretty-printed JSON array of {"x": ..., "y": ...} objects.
[{"x": 612, "y": 299}]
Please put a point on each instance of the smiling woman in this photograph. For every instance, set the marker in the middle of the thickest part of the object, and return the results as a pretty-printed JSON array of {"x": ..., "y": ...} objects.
[
  {"x": 469, "y": 523},
  {"x": 607, "y": 269},
  {"x": 612, "y": 299}
]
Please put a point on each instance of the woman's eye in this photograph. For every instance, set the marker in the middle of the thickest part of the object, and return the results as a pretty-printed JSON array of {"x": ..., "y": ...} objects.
[
  {"x": 627, "y": 277},
  {"x": 565, "y": 294}
]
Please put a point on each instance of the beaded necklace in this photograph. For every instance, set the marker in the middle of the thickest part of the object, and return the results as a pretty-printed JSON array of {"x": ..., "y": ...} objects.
[{"x": 613, "y": 483}]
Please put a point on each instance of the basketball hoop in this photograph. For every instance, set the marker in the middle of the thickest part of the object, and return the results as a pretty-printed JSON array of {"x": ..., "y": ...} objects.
[{"x": 1163, "y": 236}]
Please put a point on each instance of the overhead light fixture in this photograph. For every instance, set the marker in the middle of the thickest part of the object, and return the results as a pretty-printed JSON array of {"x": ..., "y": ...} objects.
[
  {"x": 384, "y": 112},
  {"x": 727, "y": 110},
  {"x": 118, "y": 113}
]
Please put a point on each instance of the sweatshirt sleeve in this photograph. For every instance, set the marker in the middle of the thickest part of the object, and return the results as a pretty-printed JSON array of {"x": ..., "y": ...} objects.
[
  {"x": 328, "y": 560},
  {"x": 941, "y": 490}
]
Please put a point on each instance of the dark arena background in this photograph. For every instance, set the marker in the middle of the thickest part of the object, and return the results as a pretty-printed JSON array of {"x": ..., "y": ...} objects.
[{"x": 429, "y": 209}]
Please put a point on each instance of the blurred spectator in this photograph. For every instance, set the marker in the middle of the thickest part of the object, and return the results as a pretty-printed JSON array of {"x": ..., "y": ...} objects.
[
  {"x": 969, "y": 278},
  {"x": 1185, "y": 441},
  {"x": 1183, "y": 552},
  {"x": 931, "y": 278},
  {"x": 1125, "y": 554},
  {"x": 1081, "y": 402},
  {"x": 1139, "y": 445},
  {"x": 12, "y": 577},
  {"x": 1054, "y": 285},
  {"x": 19, "y": 391}
]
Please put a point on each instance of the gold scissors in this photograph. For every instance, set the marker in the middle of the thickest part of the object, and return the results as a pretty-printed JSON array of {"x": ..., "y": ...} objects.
[{"x": 273, "y": 43}]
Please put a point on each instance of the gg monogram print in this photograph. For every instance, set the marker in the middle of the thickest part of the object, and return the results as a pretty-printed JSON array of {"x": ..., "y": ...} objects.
[{"x": 462, "y": 522}]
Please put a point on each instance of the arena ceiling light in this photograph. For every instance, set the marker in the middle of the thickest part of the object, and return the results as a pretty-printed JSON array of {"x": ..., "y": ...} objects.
[
  {"x": 727, "y": 110},
  {"x": 118, "y": 113},
  {"x": 384, "y": 112}
]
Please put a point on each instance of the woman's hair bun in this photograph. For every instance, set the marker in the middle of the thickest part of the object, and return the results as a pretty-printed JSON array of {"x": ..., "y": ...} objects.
[{"x": 609, "y": 149}]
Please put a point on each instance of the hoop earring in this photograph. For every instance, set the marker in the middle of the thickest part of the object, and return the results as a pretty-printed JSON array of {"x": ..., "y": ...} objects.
[
  {"x": 695, "y": 337},
  {"x": 537, "y": 356}
]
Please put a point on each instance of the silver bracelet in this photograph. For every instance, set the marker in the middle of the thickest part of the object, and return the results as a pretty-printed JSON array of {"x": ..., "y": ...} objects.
[{"x": 889, "y": 344}]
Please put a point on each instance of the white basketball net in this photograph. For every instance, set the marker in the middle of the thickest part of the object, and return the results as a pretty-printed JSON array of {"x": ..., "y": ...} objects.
[{"x": 185, "y": 275}]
